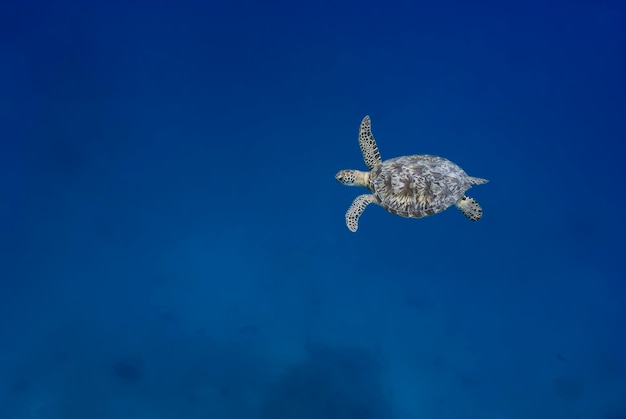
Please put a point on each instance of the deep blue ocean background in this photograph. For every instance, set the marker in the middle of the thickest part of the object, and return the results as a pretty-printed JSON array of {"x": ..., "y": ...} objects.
[{"x": 172, "y": 238}]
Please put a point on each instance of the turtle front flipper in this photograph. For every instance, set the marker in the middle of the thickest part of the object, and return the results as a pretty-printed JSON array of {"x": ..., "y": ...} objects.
[
  {"x": 356, "y": 209},
  {"x": 367, "y": 143},
  {"x": 470, "y": 207}
]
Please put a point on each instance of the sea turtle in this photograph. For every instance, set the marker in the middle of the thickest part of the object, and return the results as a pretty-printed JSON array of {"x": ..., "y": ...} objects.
[{"x": 409, "y": 186}]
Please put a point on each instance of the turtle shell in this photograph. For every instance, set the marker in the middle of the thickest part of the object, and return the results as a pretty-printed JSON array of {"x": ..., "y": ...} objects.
[{"x": 419, "y": 185}]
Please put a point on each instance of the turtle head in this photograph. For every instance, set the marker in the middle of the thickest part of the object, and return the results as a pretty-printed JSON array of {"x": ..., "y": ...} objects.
[{"x": 353, "y": 177}]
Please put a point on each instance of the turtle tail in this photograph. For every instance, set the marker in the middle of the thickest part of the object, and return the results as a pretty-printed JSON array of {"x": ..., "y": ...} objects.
[{"x": 477, "y": 180}]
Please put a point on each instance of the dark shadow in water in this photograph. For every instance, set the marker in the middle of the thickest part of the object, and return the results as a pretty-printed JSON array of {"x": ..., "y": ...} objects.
[
  {"x": 332, "y": 383},
  {"x": 128, "y": 370}
]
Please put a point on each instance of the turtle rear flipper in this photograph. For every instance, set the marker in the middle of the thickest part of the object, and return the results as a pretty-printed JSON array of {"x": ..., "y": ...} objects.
[
  {"x": 356, "y": 209},
  {"x": 470, "y": 207}
]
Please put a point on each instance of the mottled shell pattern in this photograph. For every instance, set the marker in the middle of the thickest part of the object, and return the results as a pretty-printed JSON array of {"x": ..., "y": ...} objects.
[{"x": 419, "y": 185}]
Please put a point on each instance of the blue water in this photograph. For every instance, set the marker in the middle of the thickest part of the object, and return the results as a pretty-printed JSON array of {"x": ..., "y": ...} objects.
[{"x": 172, "y": 238}]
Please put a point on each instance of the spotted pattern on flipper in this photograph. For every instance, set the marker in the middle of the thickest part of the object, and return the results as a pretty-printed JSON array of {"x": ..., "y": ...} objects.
[
  {"x": 470, "y": 208},
  {"x": 367, "y": 143},
  {"x": 356, "y": 209}
]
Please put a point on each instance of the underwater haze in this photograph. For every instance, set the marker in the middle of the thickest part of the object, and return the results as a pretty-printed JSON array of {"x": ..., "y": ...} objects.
[{"x": 173, "y": 241}]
